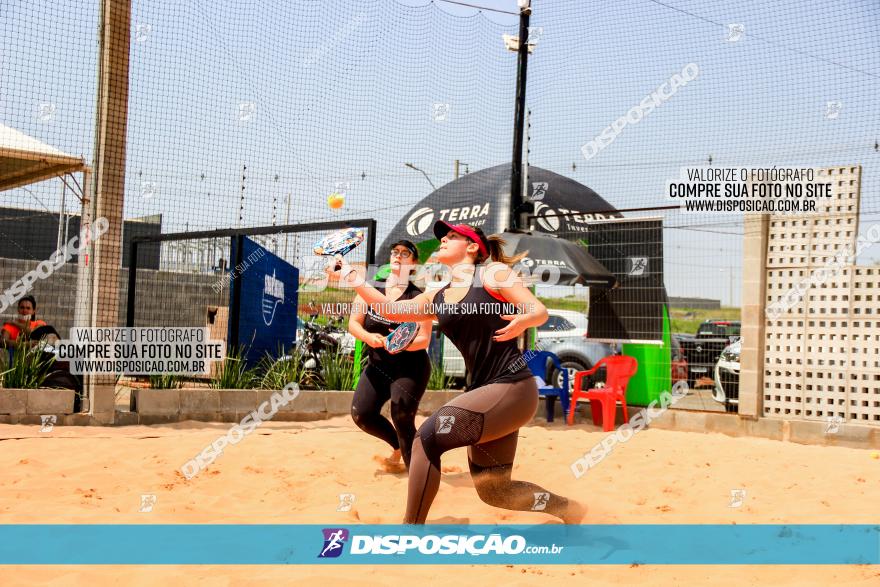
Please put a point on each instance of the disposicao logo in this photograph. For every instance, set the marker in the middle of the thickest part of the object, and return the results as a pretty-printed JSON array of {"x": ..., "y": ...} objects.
[
  {"x": 431, "y": 544},
  {"x": 334, "y": 540}
]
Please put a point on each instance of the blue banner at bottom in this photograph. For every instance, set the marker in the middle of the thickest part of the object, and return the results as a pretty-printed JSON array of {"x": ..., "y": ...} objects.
[{"x": 435, "y": 544}]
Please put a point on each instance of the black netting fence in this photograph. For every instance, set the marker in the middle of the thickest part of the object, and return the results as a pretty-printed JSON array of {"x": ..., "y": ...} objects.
[{"x": 276, "y": 114}]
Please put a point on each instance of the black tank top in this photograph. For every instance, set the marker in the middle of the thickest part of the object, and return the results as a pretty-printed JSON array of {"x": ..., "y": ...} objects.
[
  {"x": 470, "y": 324},
  {"x": 378, "y": 324}
]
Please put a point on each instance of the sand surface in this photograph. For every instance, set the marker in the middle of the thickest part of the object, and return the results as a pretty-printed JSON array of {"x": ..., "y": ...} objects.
[{"x": 294, "y": 473}]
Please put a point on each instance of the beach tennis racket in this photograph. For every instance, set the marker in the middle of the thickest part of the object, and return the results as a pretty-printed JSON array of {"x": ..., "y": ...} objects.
[
  {"x": 341, "y": 242},
  {"x": 401, "y": 337}
]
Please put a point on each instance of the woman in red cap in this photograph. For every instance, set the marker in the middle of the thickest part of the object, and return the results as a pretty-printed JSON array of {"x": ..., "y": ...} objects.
[{"x": 476, "y": 311}]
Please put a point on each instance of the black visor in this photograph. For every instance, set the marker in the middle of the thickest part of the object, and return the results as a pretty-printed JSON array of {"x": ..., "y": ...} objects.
[{"x": 408, "y": 245}]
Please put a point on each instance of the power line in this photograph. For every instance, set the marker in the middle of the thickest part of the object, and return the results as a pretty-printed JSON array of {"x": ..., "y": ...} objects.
[
  {"x": 241, "y": 70},
  {"x": 479, "y": 7},
  {"x": 34, "y": 196},
  {"x": 792, "y": 49}
]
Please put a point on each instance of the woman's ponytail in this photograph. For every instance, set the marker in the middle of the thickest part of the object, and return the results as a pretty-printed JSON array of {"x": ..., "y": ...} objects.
[
  {"x": 495, "y": 246},
  {"x": 496, "y": 252}
]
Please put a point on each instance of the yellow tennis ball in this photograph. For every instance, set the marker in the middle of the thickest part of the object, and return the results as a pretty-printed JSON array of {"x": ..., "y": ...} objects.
[
  {"x": 335, "y": 201},
  {"x": 875, "y": 455}
]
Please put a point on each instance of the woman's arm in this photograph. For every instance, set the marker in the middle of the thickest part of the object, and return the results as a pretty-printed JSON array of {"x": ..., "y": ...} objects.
[
  {"x": 8, "y": 341},
  {"x": 506, "y": 283},
  {"x": 423, "y": 338},
  {"x": 356, "y": 325},
  {"x": 415, "y": 309}
]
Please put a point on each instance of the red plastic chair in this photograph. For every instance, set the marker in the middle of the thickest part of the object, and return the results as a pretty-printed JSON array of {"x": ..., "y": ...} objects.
[{"x": 619, "y": 370}]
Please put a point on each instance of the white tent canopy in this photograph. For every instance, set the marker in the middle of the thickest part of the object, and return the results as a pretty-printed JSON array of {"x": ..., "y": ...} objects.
[{"x": 25, "y": 160}]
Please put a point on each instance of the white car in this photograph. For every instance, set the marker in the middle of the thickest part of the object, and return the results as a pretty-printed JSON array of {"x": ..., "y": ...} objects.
[
  {"x": 726, "y": 390},
  {"x": 561, "y": 326}
]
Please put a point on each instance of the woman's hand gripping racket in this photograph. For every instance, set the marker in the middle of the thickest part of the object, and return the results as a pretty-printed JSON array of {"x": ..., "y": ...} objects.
[{"x": 401, "y": 337}]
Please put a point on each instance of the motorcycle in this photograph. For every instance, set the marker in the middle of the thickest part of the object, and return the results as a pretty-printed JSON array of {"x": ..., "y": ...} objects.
[
  {"x": 316, "y": 341},
  {"x": 314, "y": 344}
]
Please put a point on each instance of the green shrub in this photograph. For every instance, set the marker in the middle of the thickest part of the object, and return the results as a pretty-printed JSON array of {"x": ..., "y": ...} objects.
[
  {"x": 29, "y": 368},
  {"x": 438, "y": 378},
  {"x": 165, "y": 381},
  {"x": 276, "y": 373},
  {"x": 234, "y": 374},
  {"x": 337, "y": 370}
]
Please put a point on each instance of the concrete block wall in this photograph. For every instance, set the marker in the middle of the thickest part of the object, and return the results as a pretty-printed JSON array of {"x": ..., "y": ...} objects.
[
  {"x": 56, "y": 295},
  {"x": 160, "y": 406},
  {"x": 36, "y": 402},
  {"x": 163, "y": 298}
]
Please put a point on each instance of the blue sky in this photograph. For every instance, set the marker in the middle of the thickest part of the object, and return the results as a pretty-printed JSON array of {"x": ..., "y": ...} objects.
[{"x": 346, "y": 88}]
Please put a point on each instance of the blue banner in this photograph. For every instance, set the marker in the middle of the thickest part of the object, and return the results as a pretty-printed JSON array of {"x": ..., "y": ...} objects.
[
  {"x": 269, "y": 285},
  {"x": 440, "y": 544}
]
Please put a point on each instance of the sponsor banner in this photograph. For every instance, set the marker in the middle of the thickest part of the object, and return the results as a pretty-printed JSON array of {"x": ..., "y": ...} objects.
[
  {"x": 267, "y": 321},
  {"x": 633, "y": 251},
  {"x": 547, "y": 218},
  {"x": 557, "y": 204},
  {"x": 718, "y": 544}
]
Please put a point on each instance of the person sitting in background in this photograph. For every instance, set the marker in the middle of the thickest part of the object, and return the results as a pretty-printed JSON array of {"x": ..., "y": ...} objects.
[{"x": 19, "y": 330}]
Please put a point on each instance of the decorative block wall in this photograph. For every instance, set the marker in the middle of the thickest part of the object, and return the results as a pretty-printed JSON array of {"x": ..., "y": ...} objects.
[{"x": 822, "y": 356}]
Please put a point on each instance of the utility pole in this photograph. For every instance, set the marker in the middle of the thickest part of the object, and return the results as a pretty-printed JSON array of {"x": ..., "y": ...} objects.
[
  {"x": 729, "y": 271},
  {"x": 62, "y": 215},
  {"x": 274, "y": 217},
  {"x": 730, "y": 280},
  {"x": 287, "y": 234},
  {"x": 516, "y": 199},
  {"x": 526, "y": 193},
  {"x": 241, "y": 198},
  {"x": 457, "y": 168}
]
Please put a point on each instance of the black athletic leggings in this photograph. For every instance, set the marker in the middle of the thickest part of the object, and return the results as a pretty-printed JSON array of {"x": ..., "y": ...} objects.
[
  {"x": 487, "y": 421},
  {"x": 403, "y": 381}
]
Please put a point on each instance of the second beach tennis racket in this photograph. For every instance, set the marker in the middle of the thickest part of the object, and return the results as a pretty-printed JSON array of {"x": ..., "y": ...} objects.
[{"x": 401, "y": 337}]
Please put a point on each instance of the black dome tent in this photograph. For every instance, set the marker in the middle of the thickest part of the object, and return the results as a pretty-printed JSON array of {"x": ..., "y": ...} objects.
[
  {"x": 482, "y": 199},
  {"x": 572, "y": 211}
]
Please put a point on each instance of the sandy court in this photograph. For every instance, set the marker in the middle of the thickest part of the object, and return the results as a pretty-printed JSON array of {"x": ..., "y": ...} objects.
[{"x": 288, "y": 473}]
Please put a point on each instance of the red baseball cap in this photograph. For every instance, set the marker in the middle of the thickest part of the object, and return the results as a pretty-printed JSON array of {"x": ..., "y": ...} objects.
[{"x": 442, "y": 228}]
